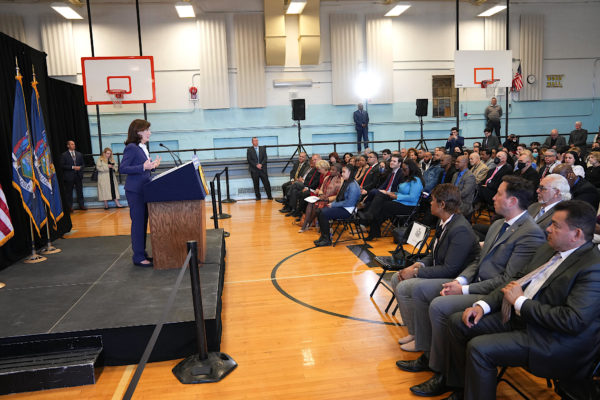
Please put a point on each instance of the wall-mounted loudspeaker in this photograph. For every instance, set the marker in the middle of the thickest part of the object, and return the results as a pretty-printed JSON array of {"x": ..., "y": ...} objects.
[
  {"x": 421, "y": 108},
  {"x": 298, "y": 110}
]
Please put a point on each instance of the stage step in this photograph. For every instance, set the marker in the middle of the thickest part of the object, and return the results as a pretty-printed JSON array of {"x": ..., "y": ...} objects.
[{"x": 49, "y": 364}]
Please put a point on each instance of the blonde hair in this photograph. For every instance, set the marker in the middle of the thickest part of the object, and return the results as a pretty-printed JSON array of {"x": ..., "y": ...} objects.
[
  {"x": 323, "y": 165},
  {"x": 103, "y": 158}
]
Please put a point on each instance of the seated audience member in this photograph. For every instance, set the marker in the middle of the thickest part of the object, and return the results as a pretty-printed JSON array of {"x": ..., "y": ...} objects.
[
  {"x": 488, "y": 160},
  {"x": 426, "y": 161},
  {"x": 550, "y": 162},
  {"x": 432, "y": 174},
  {"x": 593, "y": 171},
  {"x": 347, "y": 157},
  {"x": 448, "y": 170},
  {"x": 553, "y": 189},
  {"x": 571, "y": 158},
  {"x": 402, "y": 201},
  {"x": 334, "y": 158},
  {"x": 511, "y": 143},
  {"x": 478, "y": 167},
  {"x": 403, "y": 154},
  {"x": 545, "y": 319},
  {"x": 384, "y": 172},
  {"x": 386, "y": 154},
  {"x": 508, "y": 247},
  {"x": 454, "y": 248},
  {"x": 370, "y": 178},
  {"x": 341, "y": 208},
  {"x": 299, "y": 168},
  {"x": 327, "y": 193},
  {"x": 489, "y": 141},
  {"x": 310, "y": 179},
  {"x": 578, "y": 137},
  {"x": 554, "y": 141},
  {"x": 361, "y": 167},
  {"x": 580, "y": 188},
  {"x": 412, "y": 154},
  {"x": 534, "y": 146},
  {"x": 394, "y": 178},
  {"x": 296, "y": 198},
  {"x": 352, "y": 163},
  {"x": 455, "y": 142},
  {"x": 476, "y": 147},
  {"x": 465, "y": 181},
  {"x": 536, "y": 154},
  {"x": 420, "y": 155},
  {"x": 526, "y": 170},
  {"x": 493, "y": 179}
]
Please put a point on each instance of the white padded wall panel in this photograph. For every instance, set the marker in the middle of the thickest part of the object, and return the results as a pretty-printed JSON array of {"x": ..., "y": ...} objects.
[
  {"x": 13, "y": 26},
  {"x": 379, "y": 57},
  {"x": 344, "y": 57},
  {"x": 214, "y": 79},
  {"x": 57, "y": 42},
  {"x": 531, "y": 46},
  {"x": 250, "y": 59}
]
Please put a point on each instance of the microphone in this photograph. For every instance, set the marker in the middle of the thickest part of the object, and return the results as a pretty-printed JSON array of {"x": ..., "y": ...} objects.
[{"x": 172, "y": 154}]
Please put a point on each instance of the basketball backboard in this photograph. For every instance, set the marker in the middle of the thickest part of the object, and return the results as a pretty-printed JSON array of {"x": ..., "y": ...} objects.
[
  {"x": 473, "y": 66},
  {"x": 133, "y": 76}
]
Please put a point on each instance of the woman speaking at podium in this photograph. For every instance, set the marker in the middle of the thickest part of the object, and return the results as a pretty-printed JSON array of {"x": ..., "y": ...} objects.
[{"x": 137, "y": 165}]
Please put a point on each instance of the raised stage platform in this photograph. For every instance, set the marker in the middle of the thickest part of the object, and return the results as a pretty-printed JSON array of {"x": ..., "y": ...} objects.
[{"x": 92, "y": 288}]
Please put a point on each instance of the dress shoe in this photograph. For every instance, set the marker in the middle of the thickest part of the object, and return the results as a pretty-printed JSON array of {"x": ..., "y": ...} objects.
[
  {"x": 270, "y": 197},
  {"x": 258, "y": 199},
  {"x": 291, "y": 213},
  {"x": 456, "y": 395},
  {"x": 435, "y": 386},
  {"x": 106, "y": 208},
  {"x": 418, "y": 365},
  {"x": 370, "y": 238},
  {"x": 323, "y": 243},
  {"x": 285, "y": 210},
  {"x": 83, "y": 208},
  {"x": 150, "y": 264},
  {"x": 410, "y": 346},
  {"x": 406, "y": 339},
  {"x": 282, "y": 200}
]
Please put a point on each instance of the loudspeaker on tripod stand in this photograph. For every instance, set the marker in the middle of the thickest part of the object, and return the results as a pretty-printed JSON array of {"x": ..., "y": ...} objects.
[
  {"x": 421, "y": 107},
  {"x": 298, "y": 110}
]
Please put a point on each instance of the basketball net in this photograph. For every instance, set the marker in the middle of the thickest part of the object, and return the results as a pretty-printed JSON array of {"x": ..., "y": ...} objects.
[
  {"x": 116, "y": 96},
  {"x": 490, "y": 86}
]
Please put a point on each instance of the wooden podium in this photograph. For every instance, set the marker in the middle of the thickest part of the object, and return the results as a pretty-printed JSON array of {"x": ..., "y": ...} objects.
[{"x": 176, "y": 214}]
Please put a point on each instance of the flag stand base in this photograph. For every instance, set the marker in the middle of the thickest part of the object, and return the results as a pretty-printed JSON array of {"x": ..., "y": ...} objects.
[
  {"x": 34, "y": 258},
  {"x": 2, "y": 284},
  {"x": 50, "y": 249}
]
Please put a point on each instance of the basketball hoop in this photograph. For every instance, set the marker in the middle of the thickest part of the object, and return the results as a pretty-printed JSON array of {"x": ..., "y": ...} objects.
[
  {"x": 116, "y": 96},
  {"x": 490, "y": 86}
]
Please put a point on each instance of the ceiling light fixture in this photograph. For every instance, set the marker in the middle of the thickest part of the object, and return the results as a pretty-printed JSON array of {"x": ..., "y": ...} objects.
[
  {"x": 185, "y": 9},
  {"x": 296, "y": 7},
  {"x": 397, "y": 10},
  {"x": 492, "y": 11},
  {"x": 66, "y": 11}
]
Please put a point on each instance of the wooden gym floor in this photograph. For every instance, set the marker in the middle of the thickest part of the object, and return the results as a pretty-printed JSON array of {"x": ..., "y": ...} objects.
[{"x": 287, "y": 346}]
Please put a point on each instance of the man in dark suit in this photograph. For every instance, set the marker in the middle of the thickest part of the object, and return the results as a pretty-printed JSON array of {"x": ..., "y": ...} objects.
[
  {"x": 552, "y": 189},
  {"x": 578, "y": 137},
  {"x": 371, "y": 178},
  {"x": 490, "y": 142},
  {"x": 580, "y": 188},
  {"x": 509, "y": 245},
  {"x": 465, "y": 181},
  {"x": 526, "y": 170},
  {"x": 454, "y": 248},
  {"x": 257, "y": 165},
  {"x": 554, "y": 141},
  {"x": 546, "y": 319},
  {"x": 72, "y": 166},
  {"x": 310, "y": 180},
  {"x": 489, "y": 187},
  {"x": 361, "y": 124},
  {"x": 390, "y": 185},
  {"x": 299, "y": 168},
  {"x": 448, "y": 169}
]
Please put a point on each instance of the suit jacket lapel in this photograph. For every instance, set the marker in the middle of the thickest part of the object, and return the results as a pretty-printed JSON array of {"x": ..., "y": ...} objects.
[
  {"x": 493, "y": 232},
  {"x": 566, "y": 264},
  {"x": 509, "y": 231}
]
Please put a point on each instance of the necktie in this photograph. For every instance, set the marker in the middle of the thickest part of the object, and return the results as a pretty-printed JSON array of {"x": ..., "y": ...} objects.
[
  {"x": 298, "y": 170},
  {"x": 389, "y": 185},
  {"x": 533, "y": 288},
  {"x": 545, "y": 172},
  {"x": 256, "y": 149},
  {"x": 492, "y": 177},
  {"x": 503, "y": 229},
  {"x": 73, "y": 156},
  {"x": 485, "y": 143},
  {"x": 365, "y": 177},
  {"x": 542, "y": 211},
  {"x": 458, "y": 178}
]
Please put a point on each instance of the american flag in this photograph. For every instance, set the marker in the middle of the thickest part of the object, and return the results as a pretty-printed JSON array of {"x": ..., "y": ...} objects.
[
  {"x": 517, "y": 82},
  {"x": 6, "y": 228}
]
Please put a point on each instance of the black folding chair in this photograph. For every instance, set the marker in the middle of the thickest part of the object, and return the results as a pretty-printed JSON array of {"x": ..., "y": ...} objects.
[
  {"x": 402, "y": 219},
  {"x": 418, "y": 236},
  {"x": 352, "y": 224}
]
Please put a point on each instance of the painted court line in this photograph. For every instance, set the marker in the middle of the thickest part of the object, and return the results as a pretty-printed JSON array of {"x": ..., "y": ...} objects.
[
  {"x": 120, "y": 389},
  {"x": 291, "y": 277}
]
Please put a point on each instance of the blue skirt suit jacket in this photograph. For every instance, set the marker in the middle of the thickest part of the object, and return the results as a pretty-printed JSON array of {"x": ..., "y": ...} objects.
[{"x": 133, "y": 166}]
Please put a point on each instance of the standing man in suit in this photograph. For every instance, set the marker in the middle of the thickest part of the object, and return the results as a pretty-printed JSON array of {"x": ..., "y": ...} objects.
[
  {"x": 257, "y": 165},
  {"x": 72, "y": 166},
  {"x": 454, "y": 248},
  {"x": 578, "y": 137},
  {"x": 509, "y": 245},
  {"x": 464, "y": 180},
  {"x": 554, "y": 141},
  {"x": 489, "y": 187},
  {"x": 552, "y": 189},
  {"x": 493, "y": 114},
  {"x": 490, "y": 142},
  {"x": 361, "y": 124},
  {"x": 546, "y": 319}
]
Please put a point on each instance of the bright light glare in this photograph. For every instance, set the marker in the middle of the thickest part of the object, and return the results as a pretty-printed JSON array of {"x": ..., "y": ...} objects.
[
  {"x": 65, "y": 11},
  {"x": 367, "y": 85},
  {"x": 296, "y": 7},
  {"x": 397, "y": 10},
  {"x": 185, "y": 10},
  {"x": 492, "y": 11}
]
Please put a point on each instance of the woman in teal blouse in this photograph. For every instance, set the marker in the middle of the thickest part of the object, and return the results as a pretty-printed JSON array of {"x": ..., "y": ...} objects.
[{"x": 404, "y": 200}]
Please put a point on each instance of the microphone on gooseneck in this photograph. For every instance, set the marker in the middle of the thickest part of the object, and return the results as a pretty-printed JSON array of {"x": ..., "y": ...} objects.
[{"x": 171, "y": 153}]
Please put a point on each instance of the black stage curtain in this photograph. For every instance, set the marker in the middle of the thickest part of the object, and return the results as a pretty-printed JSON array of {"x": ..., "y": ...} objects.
[{"x": 65, "y": 116}]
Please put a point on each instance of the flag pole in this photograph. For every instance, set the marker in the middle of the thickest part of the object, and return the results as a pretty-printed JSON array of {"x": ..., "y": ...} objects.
[{"x": 34, "y": 257}]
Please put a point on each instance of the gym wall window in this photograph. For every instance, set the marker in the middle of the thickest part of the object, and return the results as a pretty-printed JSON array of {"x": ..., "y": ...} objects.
[{"x": 444, "y": 96}]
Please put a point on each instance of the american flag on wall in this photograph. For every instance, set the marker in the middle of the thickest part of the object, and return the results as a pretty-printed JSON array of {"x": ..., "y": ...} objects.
[
  {"x": 6, "y": 229},
  {"x": 517, "y": 82}
]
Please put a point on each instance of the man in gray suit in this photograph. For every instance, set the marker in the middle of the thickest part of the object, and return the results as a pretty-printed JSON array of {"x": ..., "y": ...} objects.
[
  {"x": 455, "y": 247},
  {"x": 508, "y": 247},
  {"x": 555, "y": 141},
  {"x": 553, "y": 188},
  {"x": 465, "y": 181},
  {"x": 546, "y": 319}
]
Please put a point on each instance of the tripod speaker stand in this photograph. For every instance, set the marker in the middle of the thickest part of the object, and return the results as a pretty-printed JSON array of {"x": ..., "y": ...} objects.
[
  {"x": 421, "y": 112},
  {"x": 298, "y": 113},
  {"x": 299, "y": 148}
]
